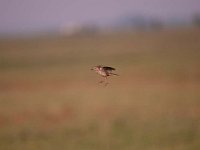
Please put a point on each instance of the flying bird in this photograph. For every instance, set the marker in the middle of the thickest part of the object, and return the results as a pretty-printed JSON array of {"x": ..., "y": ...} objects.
[{"x": 104, "y": 71}]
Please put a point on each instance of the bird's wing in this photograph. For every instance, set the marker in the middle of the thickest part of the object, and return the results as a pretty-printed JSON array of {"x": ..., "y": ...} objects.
[{"x": 108, "y": 68}]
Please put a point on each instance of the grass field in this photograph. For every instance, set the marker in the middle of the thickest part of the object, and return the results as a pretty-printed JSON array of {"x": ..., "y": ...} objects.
[{"x": 50, "y": 99}]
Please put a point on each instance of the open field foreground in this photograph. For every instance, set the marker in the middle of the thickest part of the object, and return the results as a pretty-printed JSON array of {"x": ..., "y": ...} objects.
[{"x": 50, "y": 99}]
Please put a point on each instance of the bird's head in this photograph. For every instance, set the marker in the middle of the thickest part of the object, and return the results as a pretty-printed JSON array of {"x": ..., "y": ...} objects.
[{"x": 95, "y": 68}]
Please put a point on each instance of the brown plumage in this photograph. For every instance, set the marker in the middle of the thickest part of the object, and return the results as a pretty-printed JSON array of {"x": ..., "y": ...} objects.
[{"x": 104, "y": 71}]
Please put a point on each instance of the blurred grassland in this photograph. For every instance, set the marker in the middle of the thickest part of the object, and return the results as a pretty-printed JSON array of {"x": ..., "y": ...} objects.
[{"x": 49, "y": 98}]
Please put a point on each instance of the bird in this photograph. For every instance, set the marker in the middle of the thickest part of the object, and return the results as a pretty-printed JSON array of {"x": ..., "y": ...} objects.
[{"x": 104, "y": 71}]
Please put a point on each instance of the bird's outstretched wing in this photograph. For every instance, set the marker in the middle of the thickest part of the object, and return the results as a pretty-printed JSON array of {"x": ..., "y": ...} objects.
[{"x": 108, "y": 68}]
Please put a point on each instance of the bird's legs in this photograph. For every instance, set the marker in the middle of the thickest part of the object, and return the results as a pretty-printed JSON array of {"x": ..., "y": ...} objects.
[
  {"x": 101, "y": 81},
  {"x": 104, "y": 81}
]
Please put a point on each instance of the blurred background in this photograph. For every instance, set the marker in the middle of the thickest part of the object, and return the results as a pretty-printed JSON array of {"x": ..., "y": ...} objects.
[{"x": 50, "y": 99}]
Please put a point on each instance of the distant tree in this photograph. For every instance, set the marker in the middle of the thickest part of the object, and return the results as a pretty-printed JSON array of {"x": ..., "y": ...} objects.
[
  {"x": 89, "y": 29},
  {"x": 156, "y": 24},
  {"x": 133, "y": 22},
  {"x": 196, "y": 20}
]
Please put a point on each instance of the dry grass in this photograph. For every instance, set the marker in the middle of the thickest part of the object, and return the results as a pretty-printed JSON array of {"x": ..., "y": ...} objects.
[{"x": 49, "y": 98}]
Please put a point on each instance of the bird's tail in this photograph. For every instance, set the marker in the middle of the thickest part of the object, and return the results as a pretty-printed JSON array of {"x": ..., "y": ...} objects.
[{"x": 114, "y": 74}]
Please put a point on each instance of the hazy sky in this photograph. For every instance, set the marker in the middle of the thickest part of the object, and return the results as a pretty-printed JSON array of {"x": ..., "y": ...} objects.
[{"x": 35, "y": 15}]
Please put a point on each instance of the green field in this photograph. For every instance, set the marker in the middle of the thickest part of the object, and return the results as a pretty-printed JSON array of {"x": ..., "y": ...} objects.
[{"x": 50, "y": 99}]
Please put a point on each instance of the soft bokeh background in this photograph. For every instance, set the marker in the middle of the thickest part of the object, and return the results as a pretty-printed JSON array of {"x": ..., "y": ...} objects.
[{"x": 50, "y": 99}]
